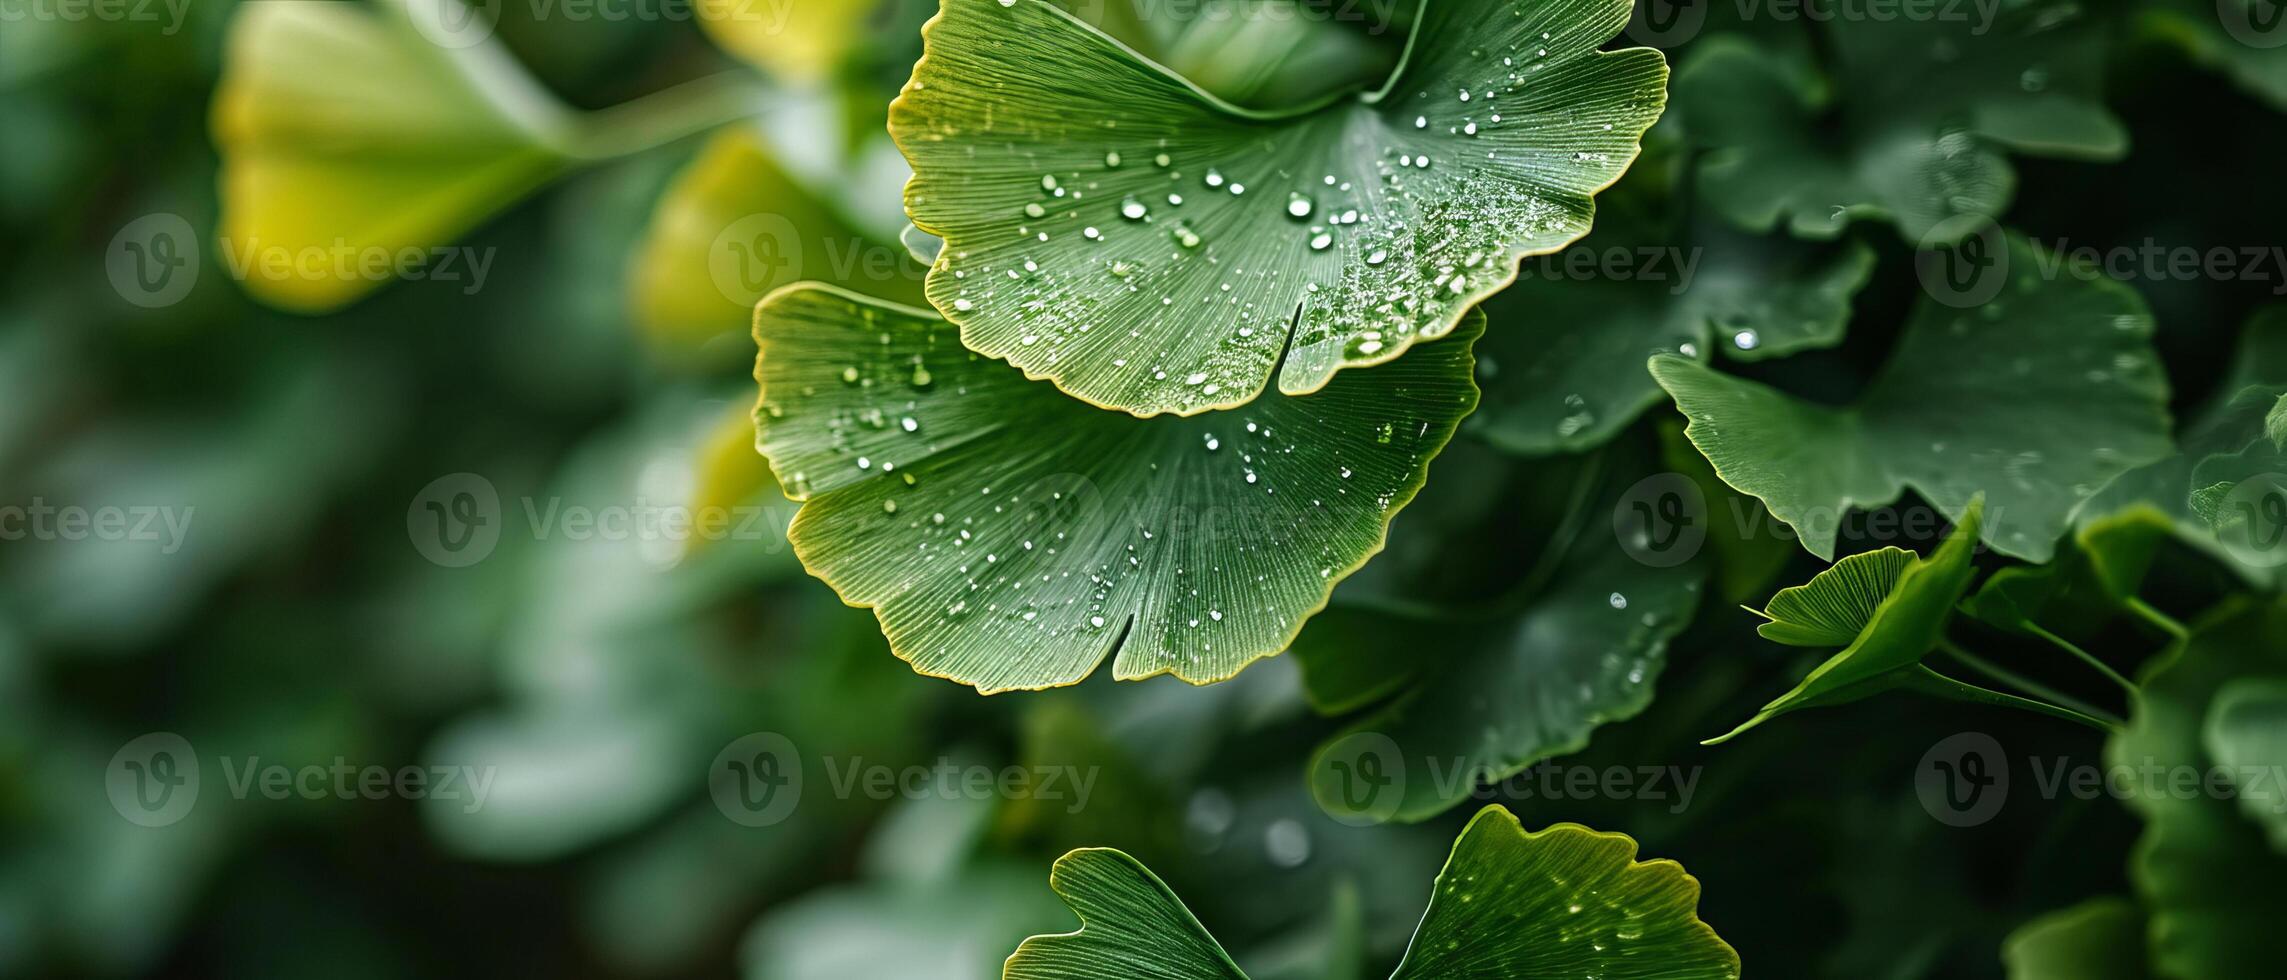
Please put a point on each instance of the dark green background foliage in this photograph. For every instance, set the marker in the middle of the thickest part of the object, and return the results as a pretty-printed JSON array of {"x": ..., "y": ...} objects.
[{"x": 299, "y": 625}]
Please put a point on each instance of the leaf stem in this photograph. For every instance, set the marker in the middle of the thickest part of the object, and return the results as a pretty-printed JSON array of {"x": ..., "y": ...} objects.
[
  {"x": 2159, "y": 620},
  {"x": 1929, "y": 681},
  {"x": 2086, "y": 657},
  {"x": 665, "y": 116},
  {"x": 2060, "y": 700}
]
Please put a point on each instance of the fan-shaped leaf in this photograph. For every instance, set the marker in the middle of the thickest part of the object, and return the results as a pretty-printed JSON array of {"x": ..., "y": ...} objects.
[
  {"x": 1010, "y": 537},
  {"x": 2246, "y": 733},
  {"x": 1905, "y": 626},
  {"x": 2101, "y": 568},
  {"x": 2035, "y": 399},
  {"x": 1566, "y": 901},
  {"x": 1831, "y": 609},
  {"x": 1927, "y": 108},
  {"x": 1148, "y": 247}
]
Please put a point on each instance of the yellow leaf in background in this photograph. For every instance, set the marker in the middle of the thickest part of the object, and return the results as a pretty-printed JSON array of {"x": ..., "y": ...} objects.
[
  {"x": 730, "y": 470},
  {"x": 799, "y": 42},
  {"x": 731, "y": 228},
  {"x": 355, "y": 140}
]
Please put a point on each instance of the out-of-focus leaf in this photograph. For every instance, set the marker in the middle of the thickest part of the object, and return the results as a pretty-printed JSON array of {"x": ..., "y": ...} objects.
[
  {"x": 2230, "y": 36},
  {"x": 735, "y": 226},
  {"x": 2101, "y": 568},
  {"x": 1007, "y": 536},
  {"x": 1905, "y": 626},
  {"x": 802, "y": 43},
  {"x": 1561, "y": 902},
  {"x": 2246, "y": 733},
  {"x": 1563, "y": 359},
  {"x": 2203, "y": 870},
  {"x": 2035, "y": 399},
  {"x": 1051, "y": 160},
  {"x": 956, "y": 930},
  {"x": 2100, "y": 939},
  {"x": 1916, "y": 128}
]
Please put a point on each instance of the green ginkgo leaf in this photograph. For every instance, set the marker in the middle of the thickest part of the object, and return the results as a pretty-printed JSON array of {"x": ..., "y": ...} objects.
[
  {"x": 1566, "y": 354},
  {"x": 1915, "y": 126},
  {"x": 1836, "y": 604},
  {"x": 2246, "y": 733},
  {"x": 2036, "y": 398},
  {"x": 355, "y": 139},
  {"x": 1007, "y": 536},
  {"x": 2230, "y": 36},
  {"x": 1905, "y": 625},
  {"x": 1469, "y": 700},
  {"x": 2203, "y": 871},
  {"x": 1562, "y": 902},
  {"x": 1148, "y": 247},
  {"x": 2097, "y": 573},
  {"x": 2100, "y": 939}
]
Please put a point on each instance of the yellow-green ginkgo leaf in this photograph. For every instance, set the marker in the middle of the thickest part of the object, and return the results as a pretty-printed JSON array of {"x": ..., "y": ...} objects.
[
  {"x": 1007, "y": 536},
  {"x": 1562, "y": 902},
  {"x": 1835, "y": 604},
  {"x": 733, "y": 227},
  {"x": 799, "y": 41},
  {"x": 1148, "y": 247},
  {"x": 357, "y": 139}
]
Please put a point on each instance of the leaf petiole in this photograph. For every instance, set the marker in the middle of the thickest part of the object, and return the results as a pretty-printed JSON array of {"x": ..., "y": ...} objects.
[
  {"x": 2159, "y": 620},
  {"x": 2086, "y": 657},
  {"x": 1928, "y": 681}
]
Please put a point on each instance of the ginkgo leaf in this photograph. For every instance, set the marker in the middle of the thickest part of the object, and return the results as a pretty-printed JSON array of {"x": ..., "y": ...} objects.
[
  {"x": 1905, "y": 626},
  {"x": 801, "y": 43},
  {"x": 2097, "y": 572},
  {"x": 1831, "y": 609},
  {"x": 1148, "y": 247},
  {"x": 734, "y": 226},
  {"x": 1928, "y": 108},
  {"x": 1562, "y": 902},
  {"x": 2246, "y": 733},
  {"x": 1464, "y": 700},
  {"x": 355, "y": 139},
  {"x": 2100, "y": 939},
  {"x": 1007, "y": 536},
  {"x": 2231, "y": 36},
  {"x": 2203, "y": 870},
  {"x": 2036, "y": 399},
  {"x": 1569, "y": 340}
]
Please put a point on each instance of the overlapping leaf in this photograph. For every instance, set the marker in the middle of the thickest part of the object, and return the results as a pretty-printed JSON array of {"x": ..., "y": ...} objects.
[
  {"x": 1010, "y": 537},
  {"x": 2036, "y": 399},
  {"x": 2244, "y": 38},
  {"x": 2100, "y": 939},
  {"x": 1567, "y": 348},
  {"x": 1902, "y": 627},
  {"x": 1917, "y": 123},
  {"x": 2203, "y": 870},
  {"x": 2092, "y": 578},
  {"x": 1566, "y": 901},
  {"x": 1148, "y": 247}
]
